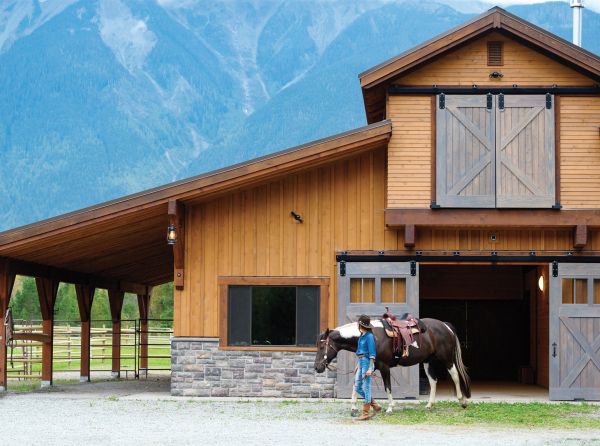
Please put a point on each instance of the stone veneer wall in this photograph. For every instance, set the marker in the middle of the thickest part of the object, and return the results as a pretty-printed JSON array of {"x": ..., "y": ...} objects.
[{"x": 199, "y": 368}]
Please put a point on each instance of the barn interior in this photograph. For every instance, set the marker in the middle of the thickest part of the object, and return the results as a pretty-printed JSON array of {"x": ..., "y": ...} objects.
[{"x": 500, "y": 313}]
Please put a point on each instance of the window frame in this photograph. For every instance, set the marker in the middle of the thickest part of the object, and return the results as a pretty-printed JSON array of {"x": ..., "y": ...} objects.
[{"x": 225, "y": 281}]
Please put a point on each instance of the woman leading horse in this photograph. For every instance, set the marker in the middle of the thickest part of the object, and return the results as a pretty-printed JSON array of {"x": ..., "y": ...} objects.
[{"x": 437, "y": 346}]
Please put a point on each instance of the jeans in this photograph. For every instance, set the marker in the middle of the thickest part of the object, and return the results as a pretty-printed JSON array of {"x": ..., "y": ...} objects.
[{"x": 362, "y": 382}]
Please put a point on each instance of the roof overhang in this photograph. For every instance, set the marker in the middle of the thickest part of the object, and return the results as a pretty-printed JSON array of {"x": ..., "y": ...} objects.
[
  {"x": 123, "y": 241},
  {"x": 374, "y": 82}
]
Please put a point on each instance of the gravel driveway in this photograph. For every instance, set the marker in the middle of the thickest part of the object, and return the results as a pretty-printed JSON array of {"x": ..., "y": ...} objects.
[{"x": 142, "y": 413}]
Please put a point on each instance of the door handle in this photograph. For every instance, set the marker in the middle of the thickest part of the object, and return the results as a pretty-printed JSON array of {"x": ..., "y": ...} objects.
[{"x": 554, "y": 349}]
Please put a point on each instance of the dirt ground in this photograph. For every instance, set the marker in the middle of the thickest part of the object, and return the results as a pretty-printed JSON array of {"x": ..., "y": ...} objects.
[{"x": 143, "y": 412}]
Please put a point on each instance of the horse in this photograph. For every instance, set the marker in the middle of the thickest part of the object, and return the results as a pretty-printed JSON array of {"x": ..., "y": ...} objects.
[{"x": 437, "y": 346}]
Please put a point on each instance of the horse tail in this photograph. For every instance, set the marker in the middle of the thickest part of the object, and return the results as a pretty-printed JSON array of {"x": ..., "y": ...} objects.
[{"x": 465, "y": 381}]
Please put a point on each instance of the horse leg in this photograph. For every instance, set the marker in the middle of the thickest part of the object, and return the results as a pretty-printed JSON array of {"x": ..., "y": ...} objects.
[
  {"x": 454, "y": 374},
  {"x": 387, "y": 384},
  {"x": 353, "y": 409},
  {"x": 430, "y": 372}
]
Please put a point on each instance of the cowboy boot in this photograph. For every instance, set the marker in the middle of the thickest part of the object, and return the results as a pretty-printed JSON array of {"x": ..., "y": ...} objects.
[
  {"x": 365, "y": 413},
  {"x": 376, "y": 407}
]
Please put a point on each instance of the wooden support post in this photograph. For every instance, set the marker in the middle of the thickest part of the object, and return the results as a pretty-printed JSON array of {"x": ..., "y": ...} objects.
[
  {"x": 7, "y": 280},
  {"x": 581, "y": 236},
  {"x": 85, "y": 297},
  {"x": 176, "y": 211},
  {"x": 144, "y": 305},
  {"x": 409, "y": 236},
  {"x": 115, "y": 298},
  {"x": 47, "y": 290}
]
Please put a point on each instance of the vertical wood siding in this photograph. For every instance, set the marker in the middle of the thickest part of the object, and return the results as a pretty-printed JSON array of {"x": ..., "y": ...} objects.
[
  {"x": 580, "y": 152},
  {"x": 251, "y": 233},
  {"x": 409, "y": 152},
  {"x": 468, "y": 65}
]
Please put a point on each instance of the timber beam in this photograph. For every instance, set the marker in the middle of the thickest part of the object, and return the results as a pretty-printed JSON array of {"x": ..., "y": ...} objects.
[
  {"x": 115, "y": 299},
  {"x": 144, "y": 307},
  {"x": 508, "y": 218},
  {"x": 176, "y": 212},
  {"x": 85, "y": 298},
  {"x": 47, "y": 290},
  {"x": 31, "y": 269},
  {"x": 7, "y": 281}
]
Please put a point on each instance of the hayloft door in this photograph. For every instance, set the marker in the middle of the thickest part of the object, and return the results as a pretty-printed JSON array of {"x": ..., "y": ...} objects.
[
  {"x": 367, "y": 288},
  {"x": 575, "y": 331},
  {"x": 525, "y": 151}
]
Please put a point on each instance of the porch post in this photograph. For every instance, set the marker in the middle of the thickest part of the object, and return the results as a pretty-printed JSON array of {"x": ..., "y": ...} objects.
[
  {"x": 7, "y": 280},
  {"x": 115, "y": 298},
  {"x": 47, "y": 290},
  {"x": 144, "y": 305},
  {"x": 85, "y": 297}
]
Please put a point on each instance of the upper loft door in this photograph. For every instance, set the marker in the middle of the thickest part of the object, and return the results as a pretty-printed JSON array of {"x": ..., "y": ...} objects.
[
  {"x": 575, "y": 332},
  {"x": 465, "y": 155},
  {"x": 495, "y": 151},
  {"x": 367, "y": 288},
  {"x": 525, "y": 173}
]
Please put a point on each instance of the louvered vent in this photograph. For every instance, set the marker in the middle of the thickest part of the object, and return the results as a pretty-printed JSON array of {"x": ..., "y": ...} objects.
[{"x": 495, "y": 58}]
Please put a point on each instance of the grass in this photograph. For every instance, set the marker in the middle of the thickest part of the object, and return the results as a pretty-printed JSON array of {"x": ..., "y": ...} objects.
[
  {"x": 34, "y": 384},
  {"x": 523, "y": 415}
]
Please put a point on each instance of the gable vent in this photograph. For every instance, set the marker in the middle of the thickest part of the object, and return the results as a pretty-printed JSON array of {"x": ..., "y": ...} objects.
[{"x": 494, "y": 54}]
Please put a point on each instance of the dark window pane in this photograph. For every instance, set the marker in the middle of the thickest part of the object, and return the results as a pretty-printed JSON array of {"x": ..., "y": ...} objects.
[
  {"x": 239, "y": 311},
  {"x": 307, "y": 303},
  {"x": 273, "y": 315}
]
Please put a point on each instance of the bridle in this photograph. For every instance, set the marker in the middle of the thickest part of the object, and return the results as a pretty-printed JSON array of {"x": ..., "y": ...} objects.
[{"x": 327, "y": 345}]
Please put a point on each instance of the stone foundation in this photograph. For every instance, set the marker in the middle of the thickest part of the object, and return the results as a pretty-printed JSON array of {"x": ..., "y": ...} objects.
[{"x": 199, "y": 368}]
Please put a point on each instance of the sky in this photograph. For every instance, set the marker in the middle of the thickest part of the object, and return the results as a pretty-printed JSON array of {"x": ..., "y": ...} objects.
[{"x": 591, "y": 4}]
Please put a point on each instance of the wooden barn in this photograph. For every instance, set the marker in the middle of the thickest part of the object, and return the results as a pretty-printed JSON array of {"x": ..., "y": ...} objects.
[{"x": 472, "y": 196}]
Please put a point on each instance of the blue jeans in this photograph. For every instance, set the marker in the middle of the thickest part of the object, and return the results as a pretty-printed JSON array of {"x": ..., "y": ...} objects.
[{"x": 362, "y": 382}]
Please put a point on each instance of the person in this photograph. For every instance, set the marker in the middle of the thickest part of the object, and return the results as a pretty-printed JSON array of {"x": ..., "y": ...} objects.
[{"x": 366, "y": 354}]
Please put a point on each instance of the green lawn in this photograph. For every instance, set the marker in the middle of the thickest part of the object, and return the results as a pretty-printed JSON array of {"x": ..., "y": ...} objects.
[{"x": 523, "y": 415}]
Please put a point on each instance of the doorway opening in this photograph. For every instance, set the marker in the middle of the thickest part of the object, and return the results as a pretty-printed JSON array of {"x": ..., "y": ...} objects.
[{"x": 500, "y": 313}]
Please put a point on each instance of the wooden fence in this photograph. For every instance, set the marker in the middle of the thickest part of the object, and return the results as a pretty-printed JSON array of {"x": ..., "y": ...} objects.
[{"x": 24, "y": 361}]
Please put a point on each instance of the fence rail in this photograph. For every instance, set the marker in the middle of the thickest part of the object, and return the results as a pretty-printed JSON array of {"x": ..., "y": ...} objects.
[{"x": 25, "y": 358}]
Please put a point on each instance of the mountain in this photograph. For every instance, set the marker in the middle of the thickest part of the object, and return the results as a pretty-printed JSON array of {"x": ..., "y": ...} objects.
[{"x": 102, "y": 98}]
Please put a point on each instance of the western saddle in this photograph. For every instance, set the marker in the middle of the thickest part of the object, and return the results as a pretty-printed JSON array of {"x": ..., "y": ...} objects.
[{"x": 402, "y": 331}]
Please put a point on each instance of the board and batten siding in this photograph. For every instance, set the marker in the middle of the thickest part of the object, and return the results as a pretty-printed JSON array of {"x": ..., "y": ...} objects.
[
  {"x": 251, "y": 233},
  {"x": 579, "y": 152},
  {"x": 409, "y": 152},
  {"x": 468, "y": 65}
]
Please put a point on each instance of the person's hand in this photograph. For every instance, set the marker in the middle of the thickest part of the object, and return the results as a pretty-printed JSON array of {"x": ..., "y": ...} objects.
[{"x": 369, "y": 373}]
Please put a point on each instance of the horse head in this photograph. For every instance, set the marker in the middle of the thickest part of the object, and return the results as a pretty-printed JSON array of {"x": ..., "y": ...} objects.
[{"x": 326, "y": 351}]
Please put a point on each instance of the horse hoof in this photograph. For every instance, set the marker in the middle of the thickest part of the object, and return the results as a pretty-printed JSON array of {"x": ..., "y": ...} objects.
[
  {"x": 429, "y": 407},
  {"x": 388, "y": 411},
  {"x": 354, "y": 413},
  {"x": 464, "y": 405}
]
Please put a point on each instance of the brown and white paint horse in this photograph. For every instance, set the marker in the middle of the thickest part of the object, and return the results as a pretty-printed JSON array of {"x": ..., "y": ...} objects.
[{"x": 437, "y": 346}]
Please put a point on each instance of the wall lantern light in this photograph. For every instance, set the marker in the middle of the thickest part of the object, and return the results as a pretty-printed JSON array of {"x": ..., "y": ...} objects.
[
  {"x": 171, "y": 234},
  {"x": 541, "y": 283}
]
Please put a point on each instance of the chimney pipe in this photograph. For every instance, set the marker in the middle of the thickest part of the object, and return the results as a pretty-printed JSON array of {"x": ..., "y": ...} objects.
[{"x": 577, "y": 6}]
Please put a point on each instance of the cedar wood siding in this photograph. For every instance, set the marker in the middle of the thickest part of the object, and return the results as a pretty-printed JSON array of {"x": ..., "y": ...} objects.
[
  {"x": 410, "y": 148},
  {"x": 250, "y": 232}
]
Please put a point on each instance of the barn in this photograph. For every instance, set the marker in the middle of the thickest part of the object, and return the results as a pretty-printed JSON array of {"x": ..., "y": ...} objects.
[{"x": 472, "y": 196}]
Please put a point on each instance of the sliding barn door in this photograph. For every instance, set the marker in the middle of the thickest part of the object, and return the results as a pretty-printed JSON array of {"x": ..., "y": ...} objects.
[
  {"x": 575, "y": 332},
  {"x": 367, "y": 288},
  {"x": 525, "y": 174},
  {"x": 465, "y": 158}
]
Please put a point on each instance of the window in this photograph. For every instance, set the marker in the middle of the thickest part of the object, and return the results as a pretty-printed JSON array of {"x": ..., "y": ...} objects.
[
  {"x": 270, "y": 313},
  {"x": 495, "y": 151}
]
